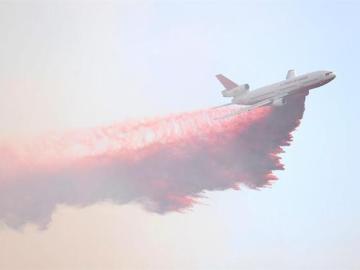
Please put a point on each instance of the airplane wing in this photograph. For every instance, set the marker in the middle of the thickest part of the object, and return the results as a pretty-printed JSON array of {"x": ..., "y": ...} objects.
[
  {"x": 224, "y": 105},
  {"x": 247, "y": 108}
]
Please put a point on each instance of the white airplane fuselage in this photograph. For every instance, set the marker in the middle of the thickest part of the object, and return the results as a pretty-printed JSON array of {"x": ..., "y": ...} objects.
[{"x": 276, "y": 92}]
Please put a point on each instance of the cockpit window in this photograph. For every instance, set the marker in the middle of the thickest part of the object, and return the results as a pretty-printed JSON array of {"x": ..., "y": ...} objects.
[{"x": 327, "y": 73}]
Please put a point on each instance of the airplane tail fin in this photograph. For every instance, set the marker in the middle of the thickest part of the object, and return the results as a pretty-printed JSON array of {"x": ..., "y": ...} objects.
[{"x": 227, "y": 83}]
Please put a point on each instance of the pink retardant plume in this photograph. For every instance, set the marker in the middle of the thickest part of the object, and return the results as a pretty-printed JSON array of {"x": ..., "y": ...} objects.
[{"x": 165, "y": 164}]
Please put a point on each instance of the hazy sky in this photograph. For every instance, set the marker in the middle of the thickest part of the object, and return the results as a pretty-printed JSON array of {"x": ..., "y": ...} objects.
[{"x": 68, "y": 64}]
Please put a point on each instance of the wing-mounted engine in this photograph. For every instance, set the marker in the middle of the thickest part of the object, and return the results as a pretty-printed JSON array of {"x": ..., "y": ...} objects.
[
  {"x": 232, "y": 89},
  {"x": 237, "y": 91},
  {"x": 290, "y": 74},
  {"x": 279, "y": 102}
]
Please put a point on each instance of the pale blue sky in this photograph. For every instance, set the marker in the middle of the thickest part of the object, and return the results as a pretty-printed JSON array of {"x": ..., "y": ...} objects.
[{"x": 95, "y": 63}]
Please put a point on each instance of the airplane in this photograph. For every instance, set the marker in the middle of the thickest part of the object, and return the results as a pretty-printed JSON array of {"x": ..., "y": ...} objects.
[{"x": 273, "y": 94}]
